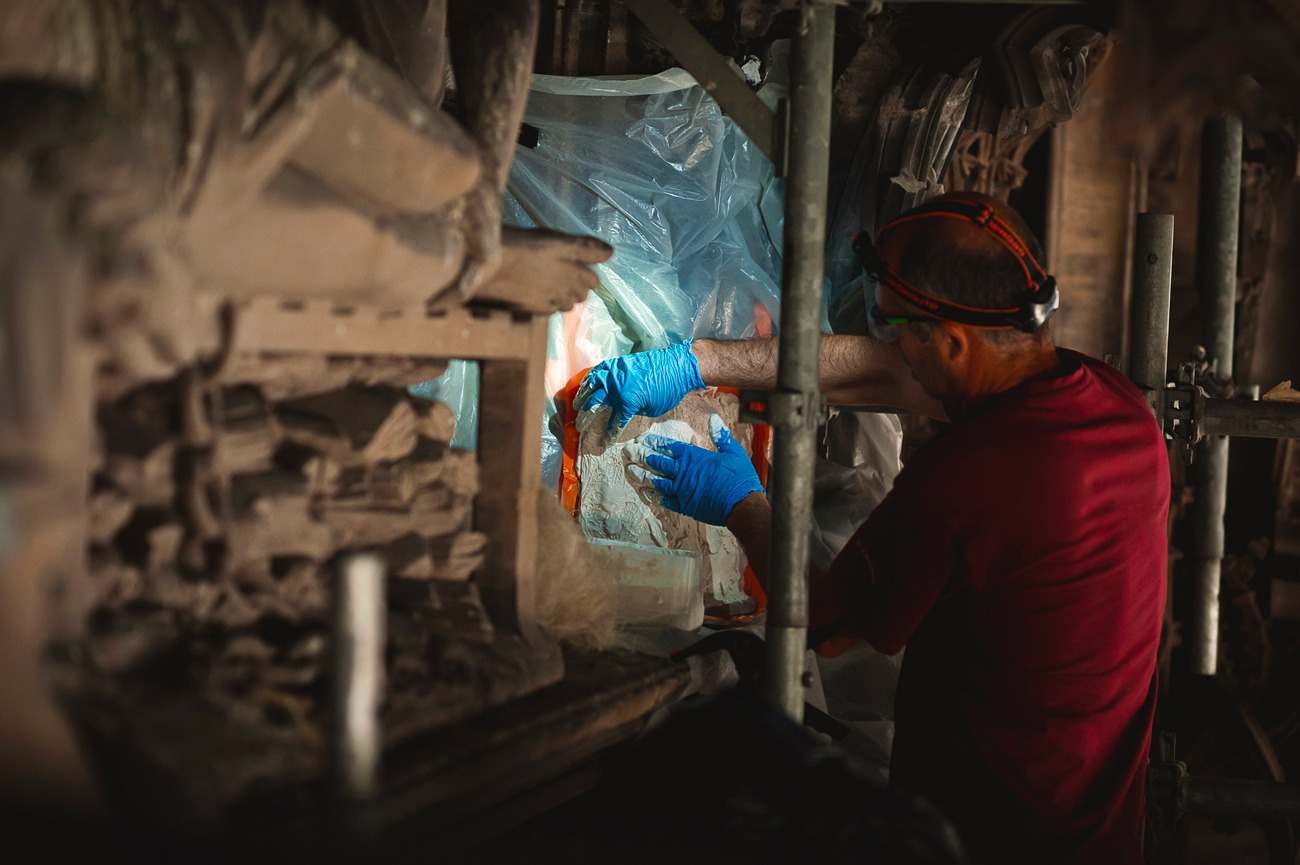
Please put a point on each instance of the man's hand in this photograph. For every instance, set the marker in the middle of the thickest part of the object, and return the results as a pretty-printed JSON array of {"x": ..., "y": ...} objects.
[
  {"x": 696, "y": 482},
  {"x": 648, "y": 383}
]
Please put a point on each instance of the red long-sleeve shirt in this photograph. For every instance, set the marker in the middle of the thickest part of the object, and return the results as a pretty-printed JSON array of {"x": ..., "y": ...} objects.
[{"x": 1021, "y": 557}]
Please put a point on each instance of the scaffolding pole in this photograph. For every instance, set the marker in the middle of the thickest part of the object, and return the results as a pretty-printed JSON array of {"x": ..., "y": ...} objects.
[
  {"x": 1235, "y": 417},
  {"x": 795, "y": 406},
  {"x": 1153, "y": 258},
  {"x": 359, "y": 638},
  {"x": 1216, "y": 260},
  {"x": 1232, "y": 797}
]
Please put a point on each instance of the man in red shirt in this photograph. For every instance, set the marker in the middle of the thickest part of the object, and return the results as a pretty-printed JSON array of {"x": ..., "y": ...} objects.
[{"x": 1020, "y": 556}]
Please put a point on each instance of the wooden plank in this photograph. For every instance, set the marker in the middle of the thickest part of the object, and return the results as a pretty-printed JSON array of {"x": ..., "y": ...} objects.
[
  {"x": 509, "y": 453},
  {"x": 269, "y": 325},
  {"x": 442, "y": 779}
]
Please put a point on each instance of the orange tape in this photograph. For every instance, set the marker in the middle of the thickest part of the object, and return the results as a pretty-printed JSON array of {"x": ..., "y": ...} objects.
[{"x": 568, "y": 474}]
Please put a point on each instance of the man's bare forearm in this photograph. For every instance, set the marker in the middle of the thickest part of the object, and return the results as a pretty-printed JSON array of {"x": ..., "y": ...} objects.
[
  {"x": 747, "y": 363},
  {"x": 853, "y": 370},
  {"x": 751, "y": 522}
]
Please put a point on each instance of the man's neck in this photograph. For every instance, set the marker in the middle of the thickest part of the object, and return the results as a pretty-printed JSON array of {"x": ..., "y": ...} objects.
[{"x": 1003, "y": 369}]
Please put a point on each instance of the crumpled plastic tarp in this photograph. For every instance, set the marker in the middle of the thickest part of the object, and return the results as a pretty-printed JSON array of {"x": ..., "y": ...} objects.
[
  {"x": 458, "y": 388},
  {"x": 862, "y": 460},
  {"x": 652, "y": 166}
]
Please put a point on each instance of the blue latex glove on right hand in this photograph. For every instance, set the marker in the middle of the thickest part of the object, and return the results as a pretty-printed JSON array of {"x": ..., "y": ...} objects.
[
  {"x": 700, "y": 483},
  {"x": 649, "y": 383}
]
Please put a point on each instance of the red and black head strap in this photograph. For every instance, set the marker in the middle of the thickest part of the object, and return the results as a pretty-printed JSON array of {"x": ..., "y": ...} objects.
[{"x": 1042, "y": 298}]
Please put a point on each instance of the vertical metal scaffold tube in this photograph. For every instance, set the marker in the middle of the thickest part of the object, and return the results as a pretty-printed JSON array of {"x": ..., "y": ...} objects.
[
  {"x": 1216, "y": 267},
  {"x": 1153, "y": 259},
  {"x": 794, "y": 435},
  {"x": 359, "y": 634}
]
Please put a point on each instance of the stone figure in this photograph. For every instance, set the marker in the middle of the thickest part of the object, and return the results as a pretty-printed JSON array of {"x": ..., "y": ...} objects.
[{"x": 162, "y": 163}]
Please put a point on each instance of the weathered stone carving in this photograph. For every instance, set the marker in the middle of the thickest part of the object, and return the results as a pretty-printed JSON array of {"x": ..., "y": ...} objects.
[
  {"x": 1039, "y": 67},
  {"x": 164, "y": 163}
]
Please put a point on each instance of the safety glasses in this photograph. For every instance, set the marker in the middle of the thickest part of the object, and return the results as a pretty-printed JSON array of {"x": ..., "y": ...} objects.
[{"x": 886, "y": 327}]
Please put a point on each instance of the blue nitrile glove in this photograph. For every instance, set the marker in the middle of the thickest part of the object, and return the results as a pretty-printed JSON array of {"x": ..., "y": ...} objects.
[
  {"x": 700, "y": 483},
  {"x": 649, "y": 383}
]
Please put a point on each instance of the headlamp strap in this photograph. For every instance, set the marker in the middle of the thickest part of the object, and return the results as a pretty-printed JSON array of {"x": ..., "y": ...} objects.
[
  {"x": 983, "y": 216},
  {"x": 1043, "y": 295}
]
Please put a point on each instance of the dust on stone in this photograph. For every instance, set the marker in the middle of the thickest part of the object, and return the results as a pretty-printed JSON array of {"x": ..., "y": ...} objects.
[{"x": 611, "y": 506}]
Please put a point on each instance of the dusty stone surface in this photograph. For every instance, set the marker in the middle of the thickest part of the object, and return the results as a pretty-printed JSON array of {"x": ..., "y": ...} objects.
[{"x": 610, "y": 506}]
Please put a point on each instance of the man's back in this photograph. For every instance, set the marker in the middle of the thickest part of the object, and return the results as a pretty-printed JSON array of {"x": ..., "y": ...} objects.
[{"x": 1022, "y": 559}]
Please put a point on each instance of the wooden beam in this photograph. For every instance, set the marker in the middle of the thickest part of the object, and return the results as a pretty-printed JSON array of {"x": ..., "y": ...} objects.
[
  {"x": 509, "y": 452},
  {"x": 269, "y": 325}
]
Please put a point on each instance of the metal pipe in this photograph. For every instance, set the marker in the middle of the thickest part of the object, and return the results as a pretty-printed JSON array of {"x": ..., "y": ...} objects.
[
  {"x": 1238, "y": 417},
  {"x": 359, "y": 633},
  {"x": 795, "y": 430},
  {"x": 1153, "y": 260},
  {"x": 1216, "y": 260},
  {"x": 1233, "y": 797}
]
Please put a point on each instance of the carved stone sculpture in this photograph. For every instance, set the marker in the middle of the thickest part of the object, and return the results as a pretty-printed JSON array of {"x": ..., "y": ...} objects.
[
  {"x": 169, "y": 169},
  {"x": 1044, "y": 60}
]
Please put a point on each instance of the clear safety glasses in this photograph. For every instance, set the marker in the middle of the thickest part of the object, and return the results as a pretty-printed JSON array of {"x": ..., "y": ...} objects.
[{"x": 886, "y": 327}]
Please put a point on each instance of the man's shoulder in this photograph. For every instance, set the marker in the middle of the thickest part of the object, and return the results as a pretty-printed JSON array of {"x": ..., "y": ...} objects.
[
  {"x": 1092, "y": 385},
  {"x": 1102, "y": 372}
]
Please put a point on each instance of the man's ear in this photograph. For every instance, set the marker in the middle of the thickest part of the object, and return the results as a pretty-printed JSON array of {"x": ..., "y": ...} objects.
[{"x": 954, "y": 342}]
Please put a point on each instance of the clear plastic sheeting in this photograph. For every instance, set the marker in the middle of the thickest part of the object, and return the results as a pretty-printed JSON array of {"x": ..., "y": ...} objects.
[
  {"x": 577, "y": 339},
  {"x": 458, "y": 388},
  {"x": 859, "y": 690},
  {"x": 651, "y": 166},
  {"x": 861, "y": 461}
]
